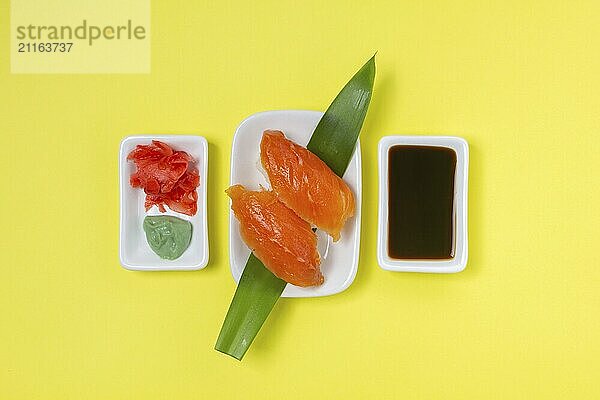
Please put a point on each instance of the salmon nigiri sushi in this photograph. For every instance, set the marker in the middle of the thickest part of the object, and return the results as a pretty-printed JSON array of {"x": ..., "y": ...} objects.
[
  {"x": 304, "y": 183},
  {"x": 283, "y": 241}
]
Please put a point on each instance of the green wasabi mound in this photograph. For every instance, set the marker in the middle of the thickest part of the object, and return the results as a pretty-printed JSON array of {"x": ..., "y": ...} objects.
[{"x": 167, "y": 236}]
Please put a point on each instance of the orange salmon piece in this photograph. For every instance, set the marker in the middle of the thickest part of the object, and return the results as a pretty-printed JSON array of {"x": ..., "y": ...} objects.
[
  {"x": 304, "y": 183},
  {"x": 278, "y": 237}
]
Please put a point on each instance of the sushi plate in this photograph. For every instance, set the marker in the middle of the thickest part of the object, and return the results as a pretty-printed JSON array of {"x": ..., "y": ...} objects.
[
  {"x": 340, "y": 264},
  {"x": 134, "y": 251}
]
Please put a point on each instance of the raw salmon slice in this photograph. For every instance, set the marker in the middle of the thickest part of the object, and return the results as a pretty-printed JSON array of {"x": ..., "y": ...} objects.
[
  {"x": 279, "y": 238},
  {"x": 306, "y": 184}
]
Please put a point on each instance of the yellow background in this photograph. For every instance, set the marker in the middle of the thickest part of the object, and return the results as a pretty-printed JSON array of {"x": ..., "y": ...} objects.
[{"x": 520, "y": 80}]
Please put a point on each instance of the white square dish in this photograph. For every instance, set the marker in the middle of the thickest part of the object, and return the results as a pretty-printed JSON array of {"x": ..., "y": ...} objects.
[
  {"x": 341, "y": 263},
  {"x": 134, "y": 251},
  {"x": 459, "y": 261}
]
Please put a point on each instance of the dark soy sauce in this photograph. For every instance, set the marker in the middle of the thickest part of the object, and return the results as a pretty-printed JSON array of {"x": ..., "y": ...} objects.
[{"x": 421, "y": 201}]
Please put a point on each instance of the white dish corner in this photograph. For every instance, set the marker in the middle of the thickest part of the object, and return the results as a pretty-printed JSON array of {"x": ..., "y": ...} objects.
[{"x": 134, "y": 252}]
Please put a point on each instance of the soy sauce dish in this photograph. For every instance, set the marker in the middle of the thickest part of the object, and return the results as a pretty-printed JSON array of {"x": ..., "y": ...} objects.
[{"x": 423, "y": 203}]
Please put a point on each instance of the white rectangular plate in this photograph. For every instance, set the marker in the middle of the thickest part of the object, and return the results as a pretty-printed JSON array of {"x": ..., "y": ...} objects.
[
  {"x": 459, "y": 261},
  {"x": 134, "y": 251},
  {"x": 341, "y": 263}
]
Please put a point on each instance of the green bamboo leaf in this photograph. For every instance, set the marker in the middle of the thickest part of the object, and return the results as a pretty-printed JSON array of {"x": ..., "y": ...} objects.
[
  {"x": 255, "y": 297},
  {"x": 333, "y": 140},
  {"x": 336, "y": 134}
]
